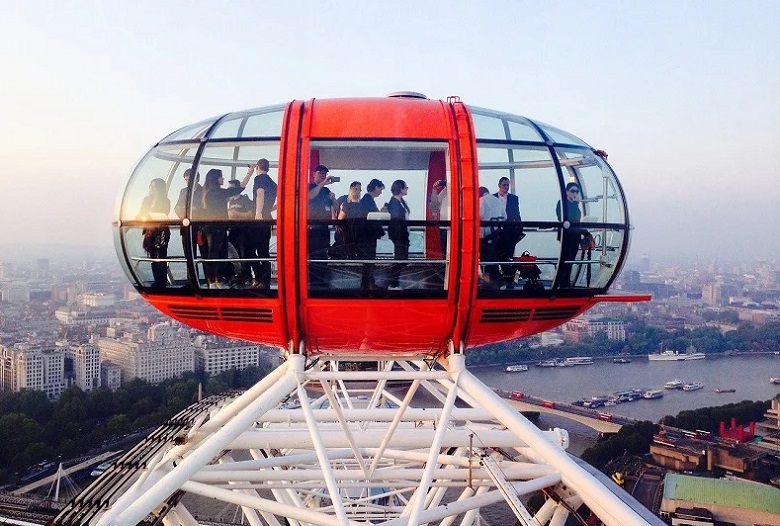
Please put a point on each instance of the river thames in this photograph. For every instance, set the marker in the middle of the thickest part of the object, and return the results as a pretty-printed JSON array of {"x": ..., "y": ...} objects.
[{"x": 747, "y": 374}]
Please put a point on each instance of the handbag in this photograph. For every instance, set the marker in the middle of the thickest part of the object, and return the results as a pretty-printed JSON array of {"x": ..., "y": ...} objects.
[{"x": 528, "y": 267}]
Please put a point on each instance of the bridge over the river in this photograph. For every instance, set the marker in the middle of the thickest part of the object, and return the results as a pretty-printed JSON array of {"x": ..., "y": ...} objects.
[
  {"x": 64, "y": 471},
  {"x": 601, "y": 421}
]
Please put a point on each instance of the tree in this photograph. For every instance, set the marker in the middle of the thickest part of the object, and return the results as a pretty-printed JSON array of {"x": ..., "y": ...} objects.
[{"x": 17, "y": 432}]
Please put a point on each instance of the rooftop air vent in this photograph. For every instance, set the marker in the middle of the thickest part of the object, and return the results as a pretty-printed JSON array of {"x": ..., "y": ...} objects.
[{"x": 407, "y": 95}]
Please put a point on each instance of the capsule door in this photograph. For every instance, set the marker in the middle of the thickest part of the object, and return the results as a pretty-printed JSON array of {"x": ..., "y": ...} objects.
[{"x": 374, "y": 263}]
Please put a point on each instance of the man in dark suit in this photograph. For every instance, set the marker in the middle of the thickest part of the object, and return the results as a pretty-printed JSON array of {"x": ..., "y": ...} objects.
[
  {"x": 513, "y": 231},
  {"x": 369, "y": 233}
]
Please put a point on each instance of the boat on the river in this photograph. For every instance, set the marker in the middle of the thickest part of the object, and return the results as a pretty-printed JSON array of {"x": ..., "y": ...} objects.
[
  {"x": 774, "y": 380},
  {"x": 596, "y": 401},
  {"x": 516, "y": 368},
  {"x": 693, "y": 386},
  {"x": 725, "y": 390},
  {"x": 674, "y": 384},
  {"x": 621, "y": 360},
  {"x": 547, "y": 363},
  {"x": 676, "y": 356},
  {"x": 652, "y": 394},
  {"x": 579, "y": 360}
]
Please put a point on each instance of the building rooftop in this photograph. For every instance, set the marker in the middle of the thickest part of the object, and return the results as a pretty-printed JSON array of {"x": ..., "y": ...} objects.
[{"x": 721, "y": 492}]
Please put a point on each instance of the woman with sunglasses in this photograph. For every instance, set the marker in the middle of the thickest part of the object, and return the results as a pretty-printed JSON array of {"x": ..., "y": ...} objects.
[{"x": 571, "y": 236}]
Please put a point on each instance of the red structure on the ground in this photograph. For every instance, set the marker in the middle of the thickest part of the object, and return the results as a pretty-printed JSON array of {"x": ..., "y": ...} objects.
[{"x": 739, "y": 433}]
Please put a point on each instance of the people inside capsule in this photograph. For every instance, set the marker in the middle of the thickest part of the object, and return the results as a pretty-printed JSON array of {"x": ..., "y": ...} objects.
[
  {"x": 347, "y": 232},
  {"x": 439, "y": 203},
  {"x": 215, "y": 199},
  {"x": 339, "y": 249},
  {"x": 512, "y": 232},
  {"x": 264, "y": 191},
  {"x": 398, "y": 231},
  {"x": 157, "y": 206},
  {"x": 570, "y": 240},
  {"x": 370, "y": 234},
  {"x": 322, "y": 208},
  {"x": 240, "y": 208},
  {"x": 196, "y": 203},
  {"x": 491, "y": 210}
]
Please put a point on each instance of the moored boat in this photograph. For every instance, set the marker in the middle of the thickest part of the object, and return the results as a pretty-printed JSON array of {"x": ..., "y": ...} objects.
[
  {"x": 725, "y": 390},
  {"x": 677, "y": 356},
  {"x": 674, "y": 384},
  {"x": 547, "y": 363},
  {"x": 774, "y": 380},
  {"x": 652, "y": 394},
  {"x": 516, "y": 368},
  {"x": 621, "y": 360},
  {"x": 693, "y": 386},
  {"x": 579, "y": 360}
]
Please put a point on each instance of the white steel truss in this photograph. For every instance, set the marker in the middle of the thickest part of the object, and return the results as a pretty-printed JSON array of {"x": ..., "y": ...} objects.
[{"x": 320, "y": 443}]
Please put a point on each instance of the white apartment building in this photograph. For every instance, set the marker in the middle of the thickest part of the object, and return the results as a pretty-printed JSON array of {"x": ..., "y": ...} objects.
[
  {"x": 110, "y": 375},
  {"x": 88, "y": 316},
  {"x": 97, "y": 299},
  {"x": 577, "y": 329},
  {"x": 163, "y": 353},
  {"x": 16, "y": 293},
  {"x": 38, "y": 369},
  {"x": 86, "y": 366},
  {"x": 214, "y": 354},
  {"x": 6, "y": 369}
]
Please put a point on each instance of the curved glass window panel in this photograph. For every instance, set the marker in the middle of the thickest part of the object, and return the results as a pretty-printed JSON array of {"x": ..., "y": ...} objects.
[
  {"x": 264, "y": 124},
  {"x": 522, "y": 131},
  {"x": 404, "y": 248},
  {"x": 160, "y": 266},
  {"x": 163, "y": 162},
  {"x": 487, "y": 155},
  {"x": 531, "y": 272},
  {"x": 594, "y": 268},
  {"x": 532, "y": 175},
  {"x": 602, "y": 201},
  {"x": 560, "y": 136},
  {"x": 488, "y": 126},
  {"x": 193, "y": 131},
  {"x": 229, "y": 128},
  {"x": 234, "y": 158}
]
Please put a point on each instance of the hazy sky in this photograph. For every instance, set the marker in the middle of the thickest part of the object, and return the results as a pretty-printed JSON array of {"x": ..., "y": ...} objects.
[{"x": 683, "y": 95}]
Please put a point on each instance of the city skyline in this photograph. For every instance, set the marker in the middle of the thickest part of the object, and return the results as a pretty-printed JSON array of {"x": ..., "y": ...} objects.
[{"x": 682, "y": 96}]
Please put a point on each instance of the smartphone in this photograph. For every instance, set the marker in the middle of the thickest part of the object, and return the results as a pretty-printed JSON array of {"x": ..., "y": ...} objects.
[{"x": 335, "y": 179}]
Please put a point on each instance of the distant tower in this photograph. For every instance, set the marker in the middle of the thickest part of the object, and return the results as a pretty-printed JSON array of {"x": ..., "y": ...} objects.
[
  {"x": 42, "y": 268},
  {"x": 644, "y": 262}
]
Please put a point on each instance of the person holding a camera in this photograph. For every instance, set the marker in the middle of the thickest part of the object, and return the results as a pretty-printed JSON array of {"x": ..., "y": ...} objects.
[
  {"x": 322, "y": 208},
  {"x": 440, "y": 211}
]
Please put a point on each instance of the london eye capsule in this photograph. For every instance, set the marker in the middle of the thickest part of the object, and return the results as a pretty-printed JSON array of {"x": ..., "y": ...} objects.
[{"x": 413, "y": 261}]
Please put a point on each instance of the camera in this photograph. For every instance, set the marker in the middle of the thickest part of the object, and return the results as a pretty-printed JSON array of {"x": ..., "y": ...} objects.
[{"x": 334, "y": 179}]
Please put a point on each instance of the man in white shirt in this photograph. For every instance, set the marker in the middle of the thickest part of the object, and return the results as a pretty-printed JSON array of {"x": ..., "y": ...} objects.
[{"x": 490, "y": 209}]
